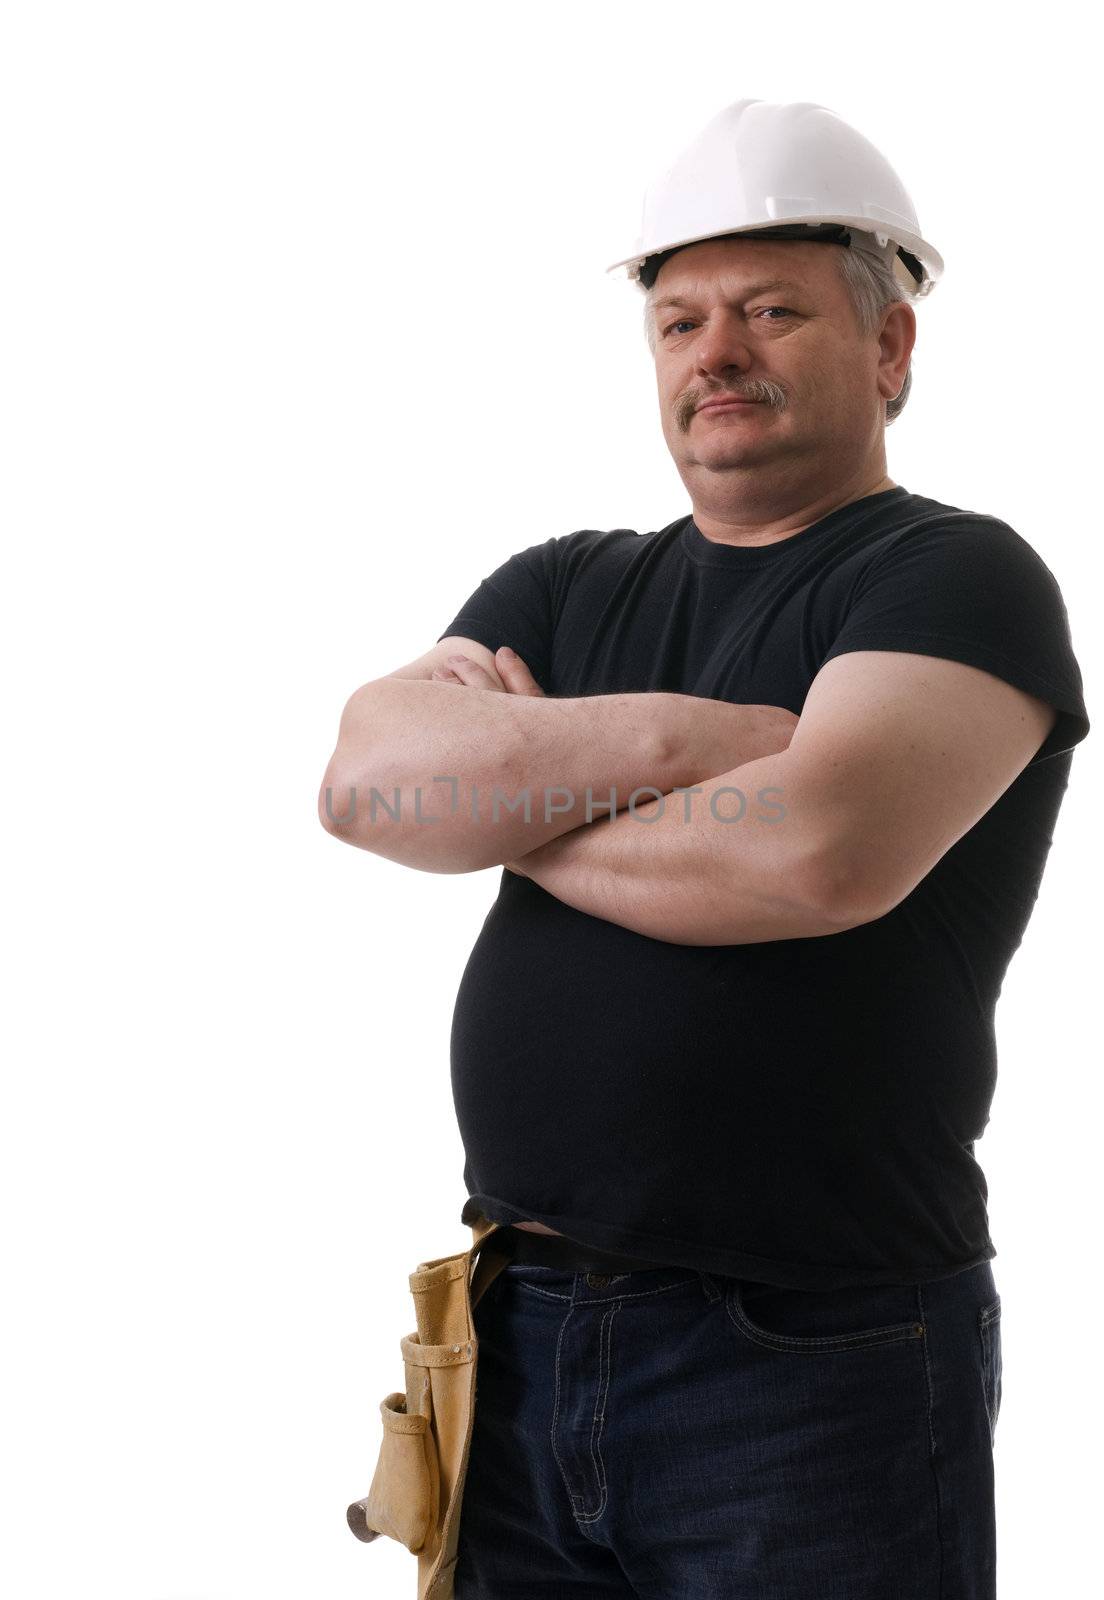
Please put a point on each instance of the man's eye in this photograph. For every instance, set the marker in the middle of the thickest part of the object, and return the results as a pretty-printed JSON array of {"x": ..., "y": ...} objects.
[{"x": 687, "y": 321}]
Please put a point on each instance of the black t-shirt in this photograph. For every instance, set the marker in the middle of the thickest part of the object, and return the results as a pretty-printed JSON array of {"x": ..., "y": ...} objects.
[{"x": 802, "y": 1112}]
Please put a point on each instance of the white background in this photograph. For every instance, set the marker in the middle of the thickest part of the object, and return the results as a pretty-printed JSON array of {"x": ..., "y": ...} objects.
[{"x": 244, "y": 244}]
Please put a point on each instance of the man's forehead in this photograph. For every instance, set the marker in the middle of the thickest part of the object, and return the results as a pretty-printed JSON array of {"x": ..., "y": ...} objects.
[{"x": 740, "y": 268}]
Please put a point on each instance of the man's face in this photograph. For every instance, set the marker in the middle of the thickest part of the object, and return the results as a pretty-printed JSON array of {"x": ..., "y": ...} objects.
[{"x": 725, "y": 326}]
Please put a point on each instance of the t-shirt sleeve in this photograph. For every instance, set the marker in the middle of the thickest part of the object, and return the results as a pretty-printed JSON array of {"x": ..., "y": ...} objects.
[
  {"x": 514, "y": 606},
  {"x": 979, "y": 593}
]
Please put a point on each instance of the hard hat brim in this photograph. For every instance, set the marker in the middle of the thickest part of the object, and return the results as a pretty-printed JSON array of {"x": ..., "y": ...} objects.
[{"x": 904, "y": 239}]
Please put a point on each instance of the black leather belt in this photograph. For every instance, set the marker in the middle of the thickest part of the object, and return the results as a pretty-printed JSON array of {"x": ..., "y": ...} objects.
[{"x": 555, "y": 1250}]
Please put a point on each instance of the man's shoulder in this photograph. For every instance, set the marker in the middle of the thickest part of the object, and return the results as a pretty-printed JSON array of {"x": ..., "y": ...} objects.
[
  {"x": 923, "y": 519},
  {"x": 615, "y": 544}
]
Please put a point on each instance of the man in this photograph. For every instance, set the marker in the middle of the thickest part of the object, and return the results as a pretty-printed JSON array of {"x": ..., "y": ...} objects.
[{"x": 721, "y": 1054}]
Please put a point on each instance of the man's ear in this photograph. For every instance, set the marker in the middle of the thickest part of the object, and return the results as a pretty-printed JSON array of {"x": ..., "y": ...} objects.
[{"x": 895, "y": 344}]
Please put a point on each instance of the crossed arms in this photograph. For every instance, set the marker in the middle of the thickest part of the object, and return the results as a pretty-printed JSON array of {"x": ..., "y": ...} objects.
[{"x": 844, "y": 811}]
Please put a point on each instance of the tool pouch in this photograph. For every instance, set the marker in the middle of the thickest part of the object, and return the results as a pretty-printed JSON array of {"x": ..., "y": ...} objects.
[{"x": 418, "y": 1483}]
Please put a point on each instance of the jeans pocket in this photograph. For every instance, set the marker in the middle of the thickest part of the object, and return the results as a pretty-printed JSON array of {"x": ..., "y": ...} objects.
[
  {"x": 817, "y": 1321},
  {"x": 989, "y": 1333}
]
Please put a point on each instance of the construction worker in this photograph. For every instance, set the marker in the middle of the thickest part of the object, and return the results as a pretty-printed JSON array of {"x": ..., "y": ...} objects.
[{"x": 725, "y": 1043}]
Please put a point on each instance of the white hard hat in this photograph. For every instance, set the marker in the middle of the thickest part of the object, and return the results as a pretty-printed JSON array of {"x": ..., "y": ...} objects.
[{"x": 783, "y": 172}]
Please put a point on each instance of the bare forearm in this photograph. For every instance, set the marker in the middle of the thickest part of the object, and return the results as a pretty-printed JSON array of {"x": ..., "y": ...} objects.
[
  {"x": 737, "y": 863},
  {"x": 439, "y": 778},
  {"x": 471, "y": 779}
]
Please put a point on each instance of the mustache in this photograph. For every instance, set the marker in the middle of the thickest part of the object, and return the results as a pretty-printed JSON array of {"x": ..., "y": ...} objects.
[{"x": 760, "y": 389}]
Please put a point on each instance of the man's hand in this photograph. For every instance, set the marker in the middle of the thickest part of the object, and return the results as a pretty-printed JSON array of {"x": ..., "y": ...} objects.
[
  {"x": 541, "y": 855},
  {"x": 516, "y": 679},
  {"x": 515, "y": 675}
]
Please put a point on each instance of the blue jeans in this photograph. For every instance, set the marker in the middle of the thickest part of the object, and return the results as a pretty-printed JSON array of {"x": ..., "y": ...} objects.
[{"x": 669, "y": 1434}]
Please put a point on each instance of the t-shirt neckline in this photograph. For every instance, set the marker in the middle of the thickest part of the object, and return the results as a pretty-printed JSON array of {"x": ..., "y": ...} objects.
[{"x": 710, "y": 553}]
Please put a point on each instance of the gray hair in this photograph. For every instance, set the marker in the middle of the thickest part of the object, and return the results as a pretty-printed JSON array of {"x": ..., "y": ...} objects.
[{"x": 872, "y": 286}]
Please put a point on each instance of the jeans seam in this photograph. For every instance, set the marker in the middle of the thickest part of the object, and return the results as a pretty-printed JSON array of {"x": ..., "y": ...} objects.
[
  {"x": 988, "y": 1317},
  {"x": 605, "y": 1345},
  {"x": 872, "y": 1338},
  {"x": 595, "y": 1300},
  {"x": 926, "y": 1352}
]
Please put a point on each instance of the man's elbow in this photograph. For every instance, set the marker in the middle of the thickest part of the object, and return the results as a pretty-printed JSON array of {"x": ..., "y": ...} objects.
[
  {"x": 839, "y": 891},
  {"x": 337, "y": 804},
  {"x": 391, "y": 823},
  {"x": 337, "y": 796}
]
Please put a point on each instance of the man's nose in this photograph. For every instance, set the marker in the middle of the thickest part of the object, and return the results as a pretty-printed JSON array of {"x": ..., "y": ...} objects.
[{"x": 723, "y": 342}]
